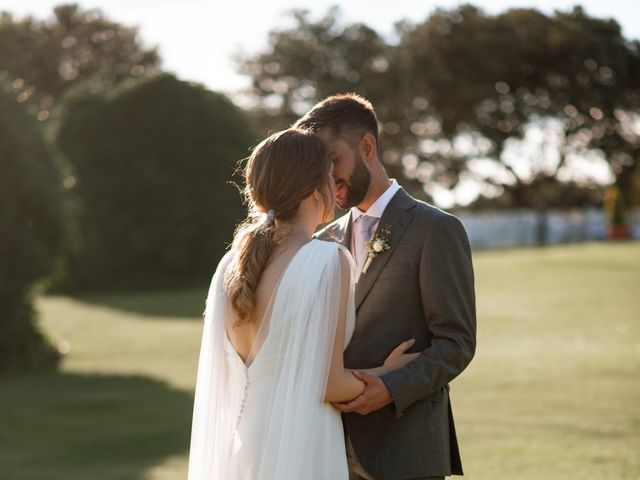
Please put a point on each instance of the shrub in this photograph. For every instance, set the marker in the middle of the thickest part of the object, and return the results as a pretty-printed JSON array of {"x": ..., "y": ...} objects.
[
  {"x": 153, "y": 158},
  {"x": 35, "y": 230}
]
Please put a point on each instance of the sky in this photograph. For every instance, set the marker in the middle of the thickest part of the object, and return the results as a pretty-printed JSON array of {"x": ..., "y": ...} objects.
[{"x": 198, "y": 38}]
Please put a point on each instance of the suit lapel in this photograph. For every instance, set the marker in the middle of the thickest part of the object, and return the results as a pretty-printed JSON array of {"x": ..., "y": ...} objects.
[
  {"x": 396, "y": 217},
  {"x": 341, "y": 231}
]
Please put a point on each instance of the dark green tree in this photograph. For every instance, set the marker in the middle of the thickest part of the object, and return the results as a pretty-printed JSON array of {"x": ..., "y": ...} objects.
[
  {"x": 36, "y": 227},
  {"x": 153, "y": 158}
]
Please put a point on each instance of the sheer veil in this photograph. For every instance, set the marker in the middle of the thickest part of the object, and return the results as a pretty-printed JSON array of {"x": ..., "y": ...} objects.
[{"x": 300, "y": 326}]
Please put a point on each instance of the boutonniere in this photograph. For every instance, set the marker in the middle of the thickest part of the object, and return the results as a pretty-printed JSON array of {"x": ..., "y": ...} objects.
[{"x": 379, "y": 243}]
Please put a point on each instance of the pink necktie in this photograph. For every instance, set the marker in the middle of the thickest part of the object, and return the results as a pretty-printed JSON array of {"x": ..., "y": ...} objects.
[{"x": 364, "y": 231}]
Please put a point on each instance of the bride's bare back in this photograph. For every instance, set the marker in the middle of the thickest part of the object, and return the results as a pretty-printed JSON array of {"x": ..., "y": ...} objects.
[{"x": 243, "y": 337}]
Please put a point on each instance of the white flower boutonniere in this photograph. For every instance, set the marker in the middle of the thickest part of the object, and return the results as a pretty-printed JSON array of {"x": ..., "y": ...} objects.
[{"x": 379, "y": 243}]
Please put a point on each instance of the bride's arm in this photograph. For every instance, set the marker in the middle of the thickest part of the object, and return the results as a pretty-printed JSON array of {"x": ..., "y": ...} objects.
[
  {"x": 396, "y": 359},
  {"x": 342, "y": 385}
]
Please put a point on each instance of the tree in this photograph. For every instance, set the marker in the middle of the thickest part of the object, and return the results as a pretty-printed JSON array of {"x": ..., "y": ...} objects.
[
  {"x": 36, "y": 227},
  {"x": 463, "y": 89},
  {"x": 490, "y": 79},
  {"x": 52, "y": 55},
  {"x": 153, "y": 157},
  {"x": 313, "y": 59}
]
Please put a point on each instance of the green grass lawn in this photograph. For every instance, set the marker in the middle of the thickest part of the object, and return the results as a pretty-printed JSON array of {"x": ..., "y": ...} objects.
[{"x": 553, "y": 393}]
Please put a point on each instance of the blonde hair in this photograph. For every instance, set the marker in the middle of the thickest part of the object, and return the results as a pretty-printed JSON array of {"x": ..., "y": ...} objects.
[{"x": 282, "y": 171}]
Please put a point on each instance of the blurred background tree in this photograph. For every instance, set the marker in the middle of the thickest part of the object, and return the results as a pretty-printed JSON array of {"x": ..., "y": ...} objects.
[
  {"x": 54, "y": 54},
  {"x": 153, "y": 156},
  {"x": 36, "y": 228},
  {"x": 312, "y": 59},
  {"x": 492, "y": 79},
  {"x": 506, "y": 102}
]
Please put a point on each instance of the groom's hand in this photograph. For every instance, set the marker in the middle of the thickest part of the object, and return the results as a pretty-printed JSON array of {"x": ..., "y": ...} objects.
[{"x": 374, "y": 396}]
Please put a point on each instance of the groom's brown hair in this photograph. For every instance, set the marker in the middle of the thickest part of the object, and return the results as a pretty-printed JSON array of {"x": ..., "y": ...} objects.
[{"x": 347, "y": 115}]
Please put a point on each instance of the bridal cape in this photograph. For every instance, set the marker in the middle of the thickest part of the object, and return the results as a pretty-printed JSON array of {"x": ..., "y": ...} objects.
[{"x": 267, "y": 420}]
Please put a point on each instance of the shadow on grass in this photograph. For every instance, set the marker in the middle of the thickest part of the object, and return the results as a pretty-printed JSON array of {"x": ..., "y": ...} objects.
[
  {"x": 76, "y": 427},
  {"x": 188, "y": 303}
]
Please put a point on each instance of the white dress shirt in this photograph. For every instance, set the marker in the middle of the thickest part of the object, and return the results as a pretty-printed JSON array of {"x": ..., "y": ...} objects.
[{"x": 375, "y": 210}]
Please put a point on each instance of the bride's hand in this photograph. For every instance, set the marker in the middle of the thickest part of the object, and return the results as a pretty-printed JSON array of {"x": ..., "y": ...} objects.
[{"x": 398, "y": 358}]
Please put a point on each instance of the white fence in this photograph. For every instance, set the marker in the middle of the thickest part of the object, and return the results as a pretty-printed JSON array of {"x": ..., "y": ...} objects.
[{"x": 495, "y": 229}]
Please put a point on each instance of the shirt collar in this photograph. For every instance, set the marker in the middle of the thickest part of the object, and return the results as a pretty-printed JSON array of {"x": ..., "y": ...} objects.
[{"x": 377, "y": 208}]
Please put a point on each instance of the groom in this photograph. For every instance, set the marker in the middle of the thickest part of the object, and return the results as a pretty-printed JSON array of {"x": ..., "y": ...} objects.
[{"x": 416, "y": 283}]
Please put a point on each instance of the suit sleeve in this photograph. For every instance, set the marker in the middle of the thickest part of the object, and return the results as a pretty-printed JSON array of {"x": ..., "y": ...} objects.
[{"x": 448, "y": 301}]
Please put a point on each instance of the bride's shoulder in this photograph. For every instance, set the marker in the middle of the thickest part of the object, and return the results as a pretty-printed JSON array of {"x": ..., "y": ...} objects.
[
  {"x": 334, "y": 253},
  {"x": 224, "y": 262},
  {"x": 226, "y": 259},
  {"x": 329, "y": 246}
]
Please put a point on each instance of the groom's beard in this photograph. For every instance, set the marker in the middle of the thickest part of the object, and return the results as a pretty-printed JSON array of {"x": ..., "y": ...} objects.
[{"x": 357, "y": 185}]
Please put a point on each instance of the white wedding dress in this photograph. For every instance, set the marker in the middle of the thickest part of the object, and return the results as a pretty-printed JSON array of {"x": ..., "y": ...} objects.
[{"x": 267, "y": 420}]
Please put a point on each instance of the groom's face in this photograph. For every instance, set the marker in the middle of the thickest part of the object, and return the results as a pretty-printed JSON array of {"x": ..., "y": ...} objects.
[{"x": 351, "y": 174}]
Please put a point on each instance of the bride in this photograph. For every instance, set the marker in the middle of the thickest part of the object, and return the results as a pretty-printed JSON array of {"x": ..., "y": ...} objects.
[{"x": 279, "y": 313}]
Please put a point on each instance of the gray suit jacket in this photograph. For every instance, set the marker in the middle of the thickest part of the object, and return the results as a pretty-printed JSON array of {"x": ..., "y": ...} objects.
[{"x": 422, "y": 288}]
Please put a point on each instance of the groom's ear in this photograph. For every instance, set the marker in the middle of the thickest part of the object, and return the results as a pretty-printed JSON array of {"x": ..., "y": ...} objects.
[{"x": 368, "y": 148}]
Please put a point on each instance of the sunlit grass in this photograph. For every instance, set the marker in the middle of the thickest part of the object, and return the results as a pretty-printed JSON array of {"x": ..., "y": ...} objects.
[
  {"x": 552, "y": 393},
  {"x": 554, "y": 390}
]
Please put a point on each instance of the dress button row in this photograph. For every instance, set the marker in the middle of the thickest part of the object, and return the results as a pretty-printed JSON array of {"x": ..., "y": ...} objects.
[{"x": 244, "y": 400}]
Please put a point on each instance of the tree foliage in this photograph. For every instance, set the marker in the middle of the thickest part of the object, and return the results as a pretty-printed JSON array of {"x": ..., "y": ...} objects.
[
  {"x": 313, "y": 59},
  {"x": 35, "y": 227},
  {"x": 463, "y": 85},
  {"x": 153, "y": 157},
  {"x": 492, "y": 77},
  {"x": 54, "y": 54}
]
